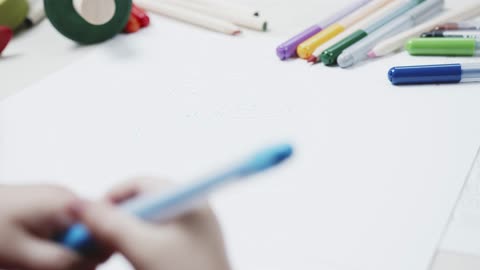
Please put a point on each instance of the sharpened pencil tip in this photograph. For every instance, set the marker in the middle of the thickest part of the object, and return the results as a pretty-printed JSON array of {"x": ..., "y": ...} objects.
[
  {"x": 312, "y": 59},
  {"x": 371, "y": 54},
  {"x": 236, "y": 33}
]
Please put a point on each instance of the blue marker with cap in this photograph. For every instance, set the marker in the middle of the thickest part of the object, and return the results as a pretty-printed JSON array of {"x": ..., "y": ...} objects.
[
  {"x": 169, "y": 204},
  {"x": 435, "y": 74}
]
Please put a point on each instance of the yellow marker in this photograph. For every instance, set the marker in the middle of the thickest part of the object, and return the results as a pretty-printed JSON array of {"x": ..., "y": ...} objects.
[{"x": 306, "y": 48}]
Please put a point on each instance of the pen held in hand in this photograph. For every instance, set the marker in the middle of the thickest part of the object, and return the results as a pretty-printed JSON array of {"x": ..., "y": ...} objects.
[{"x": 177, "y": 201}]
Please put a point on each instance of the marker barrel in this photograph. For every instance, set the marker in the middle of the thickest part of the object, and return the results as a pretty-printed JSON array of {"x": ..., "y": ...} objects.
[
  {"x": 419, "y": 14},
  {"x": 426, "y": 74},
  {"x": 453, "y": 34},
  {"x": 306, "y": 48},
  {"x": 330, "y": 55},
  {"x": 393, "y": 15},
  {"x": 459, "y": 26},
  {"x": 443, "y": 46},
  {"x": 434, "y": 74}
]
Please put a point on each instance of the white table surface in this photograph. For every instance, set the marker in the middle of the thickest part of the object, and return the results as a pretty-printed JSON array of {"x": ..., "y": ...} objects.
[{"x": 41, "y": 51}]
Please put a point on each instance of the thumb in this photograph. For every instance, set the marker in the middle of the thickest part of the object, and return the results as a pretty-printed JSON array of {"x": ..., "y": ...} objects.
[{"x": 111, "y": 227}]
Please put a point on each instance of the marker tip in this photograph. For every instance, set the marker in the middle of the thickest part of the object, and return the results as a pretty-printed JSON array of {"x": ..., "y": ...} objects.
[{"x": 312, "y": 59}]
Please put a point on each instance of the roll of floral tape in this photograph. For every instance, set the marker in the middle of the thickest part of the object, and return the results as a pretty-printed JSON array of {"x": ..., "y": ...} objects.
[
  {"x": 65, "y": 18},
  {"x": 13, "y": 12}
]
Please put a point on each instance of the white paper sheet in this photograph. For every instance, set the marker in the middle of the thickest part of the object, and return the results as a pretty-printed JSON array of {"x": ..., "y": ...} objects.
[
  {"x": 376, "y": 172},
  {"x": 463, "y": 234}
]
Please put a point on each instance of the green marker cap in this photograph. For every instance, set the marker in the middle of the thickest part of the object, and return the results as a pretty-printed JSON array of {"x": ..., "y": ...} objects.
[
  {"x": 443, "y": 46},
  {"x": 330, "y": 55}
]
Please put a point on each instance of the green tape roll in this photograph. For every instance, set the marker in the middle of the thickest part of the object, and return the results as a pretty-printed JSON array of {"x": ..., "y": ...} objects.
[
  {"x": 66, "y": 20},
  {"x": 13, "y": 12}
]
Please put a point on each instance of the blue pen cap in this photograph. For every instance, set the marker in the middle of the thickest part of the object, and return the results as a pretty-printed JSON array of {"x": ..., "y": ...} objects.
[
  {"x": 430, "y": 74},
  {"x": 78, "y": 238}
]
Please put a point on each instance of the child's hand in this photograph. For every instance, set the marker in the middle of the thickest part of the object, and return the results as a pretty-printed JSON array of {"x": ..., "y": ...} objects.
[
  {"x": 191, "y": 242},
  {"x": 29, "y": 219}
]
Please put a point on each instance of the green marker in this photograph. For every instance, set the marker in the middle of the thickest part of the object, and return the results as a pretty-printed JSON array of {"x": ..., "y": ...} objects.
[
  {"x": 443, "y": 46},
  {"x": 330, "y": 55}
]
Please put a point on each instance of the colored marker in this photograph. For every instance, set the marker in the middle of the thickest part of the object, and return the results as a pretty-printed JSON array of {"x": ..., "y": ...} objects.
[
  {"x": 443, "y": 46},
  {"x": 189, "y": 16},
  {"x": 330, "y": 55},
  {"x": 419, "y": 14},
  {"x": 458, "y": 26},
  {"x": 306, "y": 48},
  {"x": 453, "y": 34},
  {"x": 435, "y": 74},
  {"x": 240, "y": 19},
  {"x": 398, "y": 41},
  {"x": 172, "y": 203},
  {"x": 288, "y": 49},
  {"x": 5, "y": 37},
  {"x": 315, "y": 57}
]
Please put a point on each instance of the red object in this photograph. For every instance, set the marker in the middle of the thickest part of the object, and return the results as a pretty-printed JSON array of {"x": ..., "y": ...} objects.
[
  {"x": 141, "y": 15},
  {"x": 133, "y": 25},
  {"x": 5, "y": 37}
]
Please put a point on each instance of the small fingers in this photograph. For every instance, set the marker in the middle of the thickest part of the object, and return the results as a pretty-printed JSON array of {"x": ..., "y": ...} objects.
[
  {"x": 46, "y": 212},
  {"x": 38, "y": 254},
  {"x": 135, "y": 187}
]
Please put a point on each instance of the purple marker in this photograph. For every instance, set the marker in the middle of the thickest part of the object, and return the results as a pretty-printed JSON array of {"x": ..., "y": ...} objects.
[{"x": 288, "y": 49}]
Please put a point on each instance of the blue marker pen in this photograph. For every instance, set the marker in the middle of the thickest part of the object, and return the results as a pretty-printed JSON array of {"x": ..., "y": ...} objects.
[
  {"x": 172, "y": 203},
  {"x": 435, "y": 74}
]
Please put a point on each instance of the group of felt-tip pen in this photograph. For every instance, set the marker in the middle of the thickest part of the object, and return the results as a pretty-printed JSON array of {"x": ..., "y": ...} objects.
[
  {"x": 450, "y": 39},
  {"x": 375, "y": 28},
  {"x": 462, "y": 41}
]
